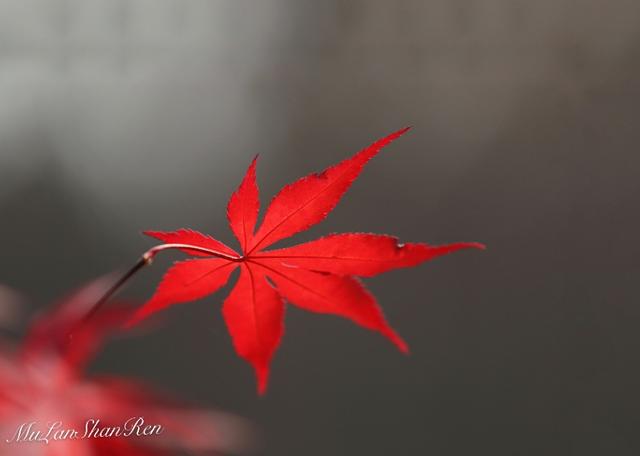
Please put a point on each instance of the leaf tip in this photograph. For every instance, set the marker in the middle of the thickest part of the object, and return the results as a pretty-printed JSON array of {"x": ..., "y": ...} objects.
[
  {"x": 402, "y": 346},
  {"x": 396, "y": 340},
  {"x": 395, "y": 135},
  {"x": 251, "y": 171},
  {"x": 262, "y": 378},
  {"x": 138, "y": 316}
]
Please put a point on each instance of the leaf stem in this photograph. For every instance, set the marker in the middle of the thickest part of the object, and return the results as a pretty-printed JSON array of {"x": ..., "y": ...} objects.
[
  {"x": 141, "y": 263},
  {"x": 152, "y": 252},
  {"x": 145, "y": 260}
]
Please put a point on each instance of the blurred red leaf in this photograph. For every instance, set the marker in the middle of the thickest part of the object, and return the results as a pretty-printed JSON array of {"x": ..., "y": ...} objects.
[
  {"x": 316, "y": 276},
  {"x": 64, "y": 330},
  {"x": 44, "y": 381},
  {"x": 11, "y": 308}
]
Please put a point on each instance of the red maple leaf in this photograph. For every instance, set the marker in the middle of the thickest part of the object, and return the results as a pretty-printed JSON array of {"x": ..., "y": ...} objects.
[{"x": 319, "y": 276}]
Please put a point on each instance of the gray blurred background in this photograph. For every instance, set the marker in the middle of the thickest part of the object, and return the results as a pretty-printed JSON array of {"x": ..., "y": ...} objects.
[{"x": 123, "y": 115}]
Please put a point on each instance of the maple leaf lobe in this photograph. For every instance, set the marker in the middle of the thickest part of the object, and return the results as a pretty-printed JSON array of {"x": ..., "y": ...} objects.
[
  {"x": 307, "y": 201},
  {"x": 243, "y": 207},
  {"x": 192, "y": 237}
]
